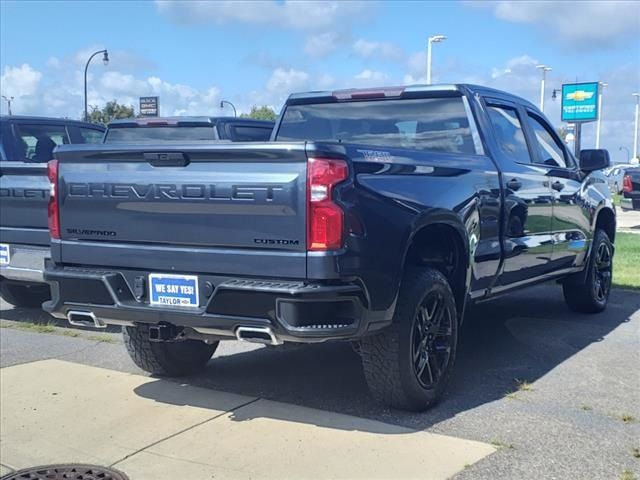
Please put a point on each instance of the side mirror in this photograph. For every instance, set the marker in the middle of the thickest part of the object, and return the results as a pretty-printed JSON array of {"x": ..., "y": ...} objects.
[{"x": 592, "y": 160}]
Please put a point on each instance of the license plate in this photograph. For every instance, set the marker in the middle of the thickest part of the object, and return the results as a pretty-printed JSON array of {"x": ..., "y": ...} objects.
[
  {"x": 173, "y": 290},
  {"x": 5, "y": 255}
]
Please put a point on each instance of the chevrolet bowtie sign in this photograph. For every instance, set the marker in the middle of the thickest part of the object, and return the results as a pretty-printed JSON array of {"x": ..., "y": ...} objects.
[{"x": 580, "y": 102}]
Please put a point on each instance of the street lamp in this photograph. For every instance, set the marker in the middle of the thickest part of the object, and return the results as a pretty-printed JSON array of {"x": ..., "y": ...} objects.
[
  {"x": 222, "y": 102},
  {"x": 544, "y": 69},
  {"x": 628, "y": 154},
  {"x": 635, "y": 132},
  {"x": 601, "y": 86},
  {"x": 105, "y": 60},
  {"x": 9, "y": 100},
  {"x": 430, "y": 42}
]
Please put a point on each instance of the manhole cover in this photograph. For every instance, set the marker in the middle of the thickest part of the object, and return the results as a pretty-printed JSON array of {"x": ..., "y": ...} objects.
[{"x": 66, "y": 472}]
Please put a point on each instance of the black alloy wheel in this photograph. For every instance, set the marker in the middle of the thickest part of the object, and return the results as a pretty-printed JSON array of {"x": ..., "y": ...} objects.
[{"x": 432, "y": 339}]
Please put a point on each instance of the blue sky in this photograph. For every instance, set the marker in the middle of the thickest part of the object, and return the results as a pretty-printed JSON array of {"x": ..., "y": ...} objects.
[{"x": 192, "y": 54}]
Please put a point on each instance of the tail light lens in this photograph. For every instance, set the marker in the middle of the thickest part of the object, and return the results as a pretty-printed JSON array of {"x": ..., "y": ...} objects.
[
  {"x": 627, "y": 185},
  {"x": 54, "y": 210},
  {"x": 325, "y": 219}
]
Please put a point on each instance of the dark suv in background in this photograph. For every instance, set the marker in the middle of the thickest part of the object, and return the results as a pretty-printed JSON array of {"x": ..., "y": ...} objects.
[{"x": 26, "y": 145}]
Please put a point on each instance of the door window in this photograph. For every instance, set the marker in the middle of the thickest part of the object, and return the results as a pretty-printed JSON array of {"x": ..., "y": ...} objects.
[
  {"x": 35, "y": 143},
  {"x": 509, "y": 134},
  {"x": 550, "y": 149}
]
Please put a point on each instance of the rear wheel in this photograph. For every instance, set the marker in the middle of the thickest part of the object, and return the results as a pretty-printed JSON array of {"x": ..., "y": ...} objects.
[
  {"x": 173, "y": 359},
  {"x": 408, "y": 365},
  {"x": 592, "y": 295},
  {"x": 26, "y": 295}
]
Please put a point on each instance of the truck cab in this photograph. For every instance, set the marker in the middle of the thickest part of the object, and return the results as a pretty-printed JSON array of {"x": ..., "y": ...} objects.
[{"x": 26, "y": 145}]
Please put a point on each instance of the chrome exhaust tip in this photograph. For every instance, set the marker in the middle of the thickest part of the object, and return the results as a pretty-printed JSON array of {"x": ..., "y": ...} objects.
[
  {"x": 79, "y": 318},
  {"x": 262, "y": 335}
]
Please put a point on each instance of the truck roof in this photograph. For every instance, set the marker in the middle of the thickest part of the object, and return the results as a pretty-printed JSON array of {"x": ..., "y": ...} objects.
[
  {"x": 398, "y": 91},
  {"x": 182, "y": 120},
  {"x": 35, "y": 118}
]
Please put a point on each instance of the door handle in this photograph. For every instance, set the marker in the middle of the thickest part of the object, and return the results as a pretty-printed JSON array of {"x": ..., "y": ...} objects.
[
  {"x": 557, "y": 186},
  {"x": 514, "y": 184}
]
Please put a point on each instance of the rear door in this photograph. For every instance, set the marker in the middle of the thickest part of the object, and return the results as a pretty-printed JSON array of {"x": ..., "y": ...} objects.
[
  {"x": 571, "y": 220},
  {"x": 24, "y": 186},
  {"x": 528, "y": 207}
]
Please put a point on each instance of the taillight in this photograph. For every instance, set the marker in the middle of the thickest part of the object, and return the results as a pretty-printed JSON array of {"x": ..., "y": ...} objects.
[
  {"x": 54, "y": 210},
  {"x": 325, "y": 219},
  {"x": 627, "y": 185}
]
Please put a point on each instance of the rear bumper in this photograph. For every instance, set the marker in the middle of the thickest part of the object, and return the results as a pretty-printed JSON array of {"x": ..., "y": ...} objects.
[
  {"x": 295, "y": 311},
  {"x": 26, "y": 263},
  {"x": 630, "y": 201}
]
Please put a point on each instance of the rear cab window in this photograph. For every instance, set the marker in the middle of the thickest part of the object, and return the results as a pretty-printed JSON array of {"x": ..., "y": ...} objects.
[
  {"x": 160, "y": 134},
  {"x": 90, "y": 135},
  {"x": 249, "y": 133},
  {"x": 426, "y": 124}
]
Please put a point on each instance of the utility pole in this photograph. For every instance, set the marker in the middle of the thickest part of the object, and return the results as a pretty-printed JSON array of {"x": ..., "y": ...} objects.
[
  {"x": 601, "y": 86},
  {"x": 430, "y": 42},
  {"x": 544, "y": 69},
  {"x": 635, "y": 132},
  {"x": 9, "y": 100}
]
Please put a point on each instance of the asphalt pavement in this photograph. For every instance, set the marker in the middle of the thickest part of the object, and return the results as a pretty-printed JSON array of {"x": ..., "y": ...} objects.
[{"x": 557, "y": 393}]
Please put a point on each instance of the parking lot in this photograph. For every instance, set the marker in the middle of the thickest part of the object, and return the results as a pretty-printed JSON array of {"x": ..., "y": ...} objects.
[{"x": 537, "y": 389}]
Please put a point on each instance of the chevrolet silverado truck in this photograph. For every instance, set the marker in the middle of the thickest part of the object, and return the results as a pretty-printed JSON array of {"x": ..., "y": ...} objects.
[
  {"x": 26, "y": 145},
  {"x": 188, "y": 129},
  {"x": 373, "y": 216}
]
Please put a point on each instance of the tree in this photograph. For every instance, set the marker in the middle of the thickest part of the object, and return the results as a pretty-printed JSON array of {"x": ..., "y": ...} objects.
[
  {"x": 562, "y": 133},
  {"x": 111, "y": 111},
  {"x": 260, "y": 113}
]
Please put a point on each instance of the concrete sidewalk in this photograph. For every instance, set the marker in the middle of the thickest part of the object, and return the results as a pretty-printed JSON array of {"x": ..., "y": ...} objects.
[{"x": 58, "y": 412}]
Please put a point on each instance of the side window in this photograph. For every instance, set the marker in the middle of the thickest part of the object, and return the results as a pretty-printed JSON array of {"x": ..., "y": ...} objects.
[
  {"x": 550, "y": 149},
  {"x": 90, "y": 135},
  {"x": 35, "y": 143},
  {"x": 509, "y": 134}
]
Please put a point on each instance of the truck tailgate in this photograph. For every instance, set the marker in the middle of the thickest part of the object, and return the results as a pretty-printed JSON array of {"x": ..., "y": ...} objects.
[{"x": 248, "y": 198}]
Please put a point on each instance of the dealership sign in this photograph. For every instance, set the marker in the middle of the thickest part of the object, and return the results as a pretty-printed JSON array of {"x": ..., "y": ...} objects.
[
  {"x": 149, "y": 106},
  {"x": 580, "y": 102}
]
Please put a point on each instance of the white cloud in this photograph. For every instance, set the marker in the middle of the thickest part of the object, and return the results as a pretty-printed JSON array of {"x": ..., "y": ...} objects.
[
  {"x": 370, "y": 78},
  {"x": 22, "y": 81},
  {"x": 309, "y": 15},
  {"x": 322, "y": 44},
  {"x": 290, "y": 80},
  {"x": 596, "y": 23},
  {"x": 382, "y": 50}
]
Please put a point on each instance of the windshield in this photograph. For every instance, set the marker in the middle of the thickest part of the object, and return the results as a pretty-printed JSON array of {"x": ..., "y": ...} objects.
[
  {"x": 156, "y": 134},
  {"x": 433, "y": 124}
]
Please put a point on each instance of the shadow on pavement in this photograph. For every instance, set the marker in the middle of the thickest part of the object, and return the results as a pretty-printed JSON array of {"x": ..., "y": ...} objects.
[{"x": 516, "y": 338}]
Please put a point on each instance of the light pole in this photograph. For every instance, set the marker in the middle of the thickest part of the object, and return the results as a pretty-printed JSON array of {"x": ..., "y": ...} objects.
[
  {"x": 222, "y": 102},
  {"x": 635, "y": 132},
  {"x": 105, "y": 60},
  {"x": 430, "y": 42},
  {"x": 9, "y": 100},
  {"x": 628, "y": 154},
  {"x": 601, "y": 86},
  {"x": 544, "y": 69}
]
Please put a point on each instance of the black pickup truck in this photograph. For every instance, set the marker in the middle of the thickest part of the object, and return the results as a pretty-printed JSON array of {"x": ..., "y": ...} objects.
[
  {"x": 631, "y": 189},
  {"x": 376, "y": 216},
  {"x": 26, "y": 145}
]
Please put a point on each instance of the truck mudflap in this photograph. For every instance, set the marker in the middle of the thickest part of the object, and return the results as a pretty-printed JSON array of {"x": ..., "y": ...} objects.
[{"x": 293, "y": 311}]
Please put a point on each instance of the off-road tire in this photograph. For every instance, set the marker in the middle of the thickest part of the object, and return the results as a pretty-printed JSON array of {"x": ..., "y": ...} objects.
[
  {"x": 387, "y": 356},
  {"x": 583, "y": 297},
  {"x": 24, "y": 295},
  {"x": 171, "y": 359}
]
